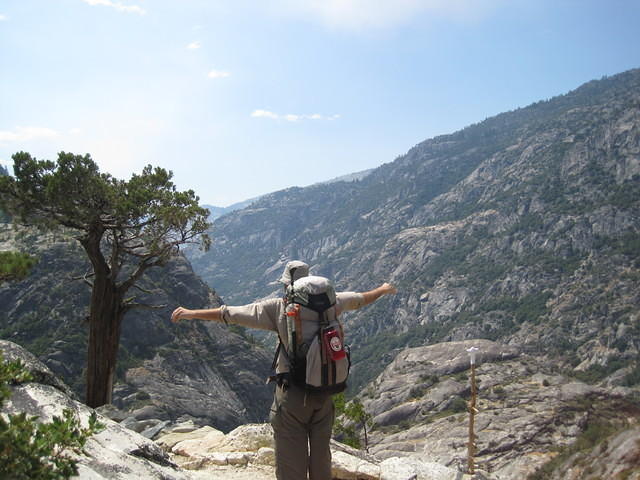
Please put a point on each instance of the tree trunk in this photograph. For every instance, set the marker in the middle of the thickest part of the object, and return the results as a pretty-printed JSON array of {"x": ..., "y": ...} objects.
[{"x": 105, "y": 319}]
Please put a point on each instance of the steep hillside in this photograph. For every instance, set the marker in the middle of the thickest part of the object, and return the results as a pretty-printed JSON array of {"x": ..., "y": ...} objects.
[
  {"x": 205, "y": 372},
  {"x": 531, "y": 418},
  {"x": 523, "y": 228}
]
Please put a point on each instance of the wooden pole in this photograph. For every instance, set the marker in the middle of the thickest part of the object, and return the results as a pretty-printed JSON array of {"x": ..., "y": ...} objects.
[{"x": 471, "y": 446}]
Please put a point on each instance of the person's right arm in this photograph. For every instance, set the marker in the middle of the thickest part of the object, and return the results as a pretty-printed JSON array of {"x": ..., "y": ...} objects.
[{"x": 262, "y": 315}]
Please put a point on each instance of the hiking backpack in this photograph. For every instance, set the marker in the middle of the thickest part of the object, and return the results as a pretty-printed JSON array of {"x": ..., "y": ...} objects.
[{"x": 318, "y": 359}]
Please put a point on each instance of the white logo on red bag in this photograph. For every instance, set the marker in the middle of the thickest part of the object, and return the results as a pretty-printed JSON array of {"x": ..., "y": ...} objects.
[{"x": 335, "y": 344}]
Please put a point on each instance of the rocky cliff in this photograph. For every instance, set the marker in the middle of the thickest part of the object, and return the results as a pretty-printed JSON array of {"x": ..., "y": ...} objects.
[
  {"x": 530, "y": 414},
  {"x": 203, "y": 372}
]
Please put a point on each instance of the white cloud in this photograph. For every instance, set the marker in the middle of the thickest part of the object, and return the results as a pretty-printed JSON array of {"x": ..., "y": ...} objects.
[
  {"x": 75, "y": 131},
  {"x": 292, "y": 117},
  {"x": 368, "y": 14},
  {"x": 23, "y": 134},
  {"x": 264, "y": 114},
  {"x": 117, "y": 5},
  {"x": 194, "y": 45},
  {"x": 3, "y": 18},
  {"x": 218, "y": 74}
]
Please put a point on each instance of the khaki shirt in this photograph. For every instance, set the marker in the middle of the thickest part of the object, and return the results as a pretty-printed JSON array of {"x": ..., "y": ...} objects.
[{"x": 269, "y": 315}]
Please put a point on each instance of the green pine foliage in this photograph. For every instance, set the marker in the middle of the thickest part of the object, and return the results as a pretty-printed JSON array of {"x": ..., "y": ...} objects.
[
  {"x": 350, "y": 417},
  {"x": 126, "y": 228},
  {"x": 32, "y": 450},
  {"x": 15, "y": 265},
  {"x": 4, "y": 216}
]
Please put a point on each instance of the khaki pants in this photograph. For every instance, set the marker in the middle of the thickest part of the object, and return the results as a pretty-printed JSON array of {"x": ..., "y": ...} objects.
[{"x": 302, "y": 425}]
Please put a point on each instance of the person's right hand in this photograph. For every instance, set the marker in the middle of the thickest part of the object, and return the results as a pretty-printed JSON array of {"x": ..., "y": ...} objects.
[{"x": 180, "y": 313}]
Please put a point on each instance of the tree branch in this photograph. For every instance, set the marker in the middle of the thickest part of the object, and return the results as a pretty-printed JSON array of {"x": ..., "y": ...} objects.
[
  {"x": 134, "y": 305},
  {"x": 85, "y": 278},
  {"x": 143, "y": 290}
]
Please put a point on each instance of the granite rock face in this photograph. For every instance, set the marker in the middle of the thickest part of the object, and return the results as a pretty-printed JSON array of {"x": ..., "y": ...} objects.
[
  {"x": 38, "y": 370},
  {"x": 617, "y": 458},
  {"x": 115, "y": 452},
  {"x": 527, "y": 411}
]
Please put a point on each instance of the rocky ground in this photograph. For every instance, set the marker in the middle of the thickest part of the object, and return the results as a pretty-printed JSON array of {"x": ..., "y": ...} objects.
[
  {"x": 529, "y": 413},
  {"x": 531, "y": 421},
  {"x": 185, "y": 451}
]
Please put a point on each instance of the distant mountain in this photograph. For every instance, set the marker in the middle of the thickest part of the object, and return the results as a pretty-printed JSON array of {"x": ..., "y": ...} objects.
[
  {"x": 351, "y": 177},
  {"x": 522, "y": 228},
  {"x": 217, "y": 212}
]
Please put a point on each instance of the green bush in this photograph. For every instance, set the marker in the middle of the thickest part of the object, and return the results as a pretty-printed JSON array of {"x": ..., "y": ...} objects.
[
  {"x": 458, "y": 405},
  {"x": 596, "y": 373},
  {"x": 354, "y": 412},
  {"x": 499, "y": 391},
  {"x": 633, "y": 377},
  {"x": 30, "y": 450},
  {"x": 15, "y": 265}
]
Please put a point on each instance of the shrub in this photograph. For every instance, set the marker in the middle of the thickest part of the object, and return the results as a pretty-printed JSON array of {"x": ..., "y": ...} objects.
[
  {"x": 15, "y": 265},
  {"x": 458, "y": 405},
  {"x": 355, "y": 413},
  {"x": 499, "y": 391},
  {"x": 633, "y": 377},
  {"x": 38, "y": 451}
]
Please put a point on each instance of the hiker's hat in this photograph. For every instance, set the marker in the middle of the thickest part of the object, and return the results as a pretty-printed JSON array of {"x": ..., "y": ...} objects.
[{"x": 294, "y": 270}]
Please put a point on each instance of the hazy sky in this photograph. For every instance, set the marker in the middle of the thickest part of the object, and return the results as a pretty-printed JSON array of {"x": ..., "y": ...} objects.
[{"x": 240, "y": 98}]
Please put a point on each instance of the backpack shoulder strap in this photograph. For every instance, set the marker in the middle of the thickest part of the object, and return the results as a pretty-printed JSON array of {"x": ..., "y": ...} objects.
[{"x": 279, "y": 348}]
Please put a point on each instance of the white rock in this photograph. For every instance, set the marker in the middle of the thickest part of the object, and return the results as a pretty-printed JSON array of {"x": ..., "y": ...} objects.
[
  {"x": 169, "y": 440},
  {"x": 216, "y": 458},
  {"x": 239, "y": 458},
  {"x": 397, "y": 468},
  {"x": 199, "y": 445},
  {"x": 347, "y": 467},
  {"x": 248, "y": 438},
  {"x": 116, "y": 452},
  {"x": 265, "y": 456},
  {"x": 184, "y": 427}
]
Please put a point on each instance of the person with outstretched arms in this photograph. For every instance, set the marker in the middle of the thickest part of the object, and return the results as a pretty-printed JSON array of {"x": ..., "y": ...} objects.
[{"x": 302, "y": 419}]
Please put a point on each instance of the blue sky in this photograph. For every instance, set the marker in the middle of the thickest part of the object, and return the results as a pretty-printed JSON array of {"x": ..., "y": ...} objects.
[{"x": 241, "y": 98}]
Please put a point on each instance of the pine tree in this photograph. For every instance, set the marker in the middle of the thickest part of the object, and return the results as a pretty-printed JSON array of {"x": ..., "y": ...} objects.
[{"x": 125, "y": 228}]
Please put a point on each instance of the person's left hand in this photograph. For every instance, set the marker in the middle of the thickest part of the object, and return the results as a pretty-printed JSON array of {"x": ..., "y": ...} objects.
[
  {"x": 180, "y": 313},
  {"x": 389, "y": 289}
]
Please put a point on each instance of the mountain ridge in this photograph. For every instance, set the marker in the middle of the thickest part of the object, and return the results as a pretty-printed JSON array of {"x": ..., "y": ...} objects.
[{"x": 485, "y": 230}]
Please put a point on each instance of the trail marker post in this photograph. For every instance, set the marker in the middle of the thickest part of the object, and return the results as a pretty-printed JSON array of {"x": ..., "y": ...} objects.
[{"x": 472, "y": 412}]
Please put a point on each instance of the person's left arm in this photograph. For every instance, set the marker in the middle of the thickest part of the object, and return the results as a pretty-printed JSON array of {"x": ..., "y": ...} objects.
[
  {"x": 210, "y": 314},
  {"x": 356, "y": 300}
]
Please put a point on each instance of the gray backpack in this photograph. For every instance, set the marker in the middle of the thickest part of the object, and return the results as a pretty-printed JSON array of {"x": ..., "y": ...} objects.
[{"x": 317, "y": 356}]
